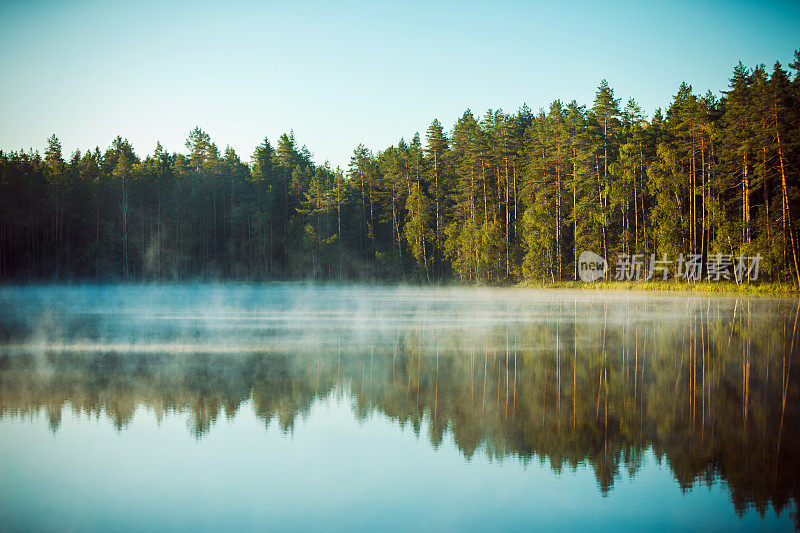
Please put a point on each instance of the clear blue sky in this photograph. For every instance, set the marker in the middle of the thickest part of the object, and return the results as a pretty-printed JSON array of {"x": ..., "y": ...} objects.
[{"x": 341, "y": 73}]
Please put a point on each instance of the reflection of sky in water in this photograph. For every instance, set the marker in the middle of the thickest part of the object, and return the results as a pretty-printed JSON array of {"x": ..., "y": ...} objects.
[
  {"x": 331, "y": 469},
  {"x": 145, "y": 407}
]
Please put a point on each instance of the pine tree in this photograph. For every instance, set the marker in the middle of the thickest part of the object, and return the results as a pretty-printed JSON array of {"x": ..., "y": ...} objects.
[
  {"x": 436, "y": 150},
  {"x": 418, "y": 226},
  {"x": 605, "y": 113}
]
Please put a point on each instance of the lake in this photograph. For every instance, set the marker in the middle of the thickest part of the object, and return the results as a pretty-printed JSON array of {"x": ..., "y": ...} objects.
[{"x": 288, "y": 406}]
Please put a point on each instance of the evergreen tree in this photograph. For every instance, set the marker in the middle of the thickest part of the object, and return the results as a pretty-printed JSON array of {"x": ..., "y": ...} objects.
[{"x": 497, "y": 199}]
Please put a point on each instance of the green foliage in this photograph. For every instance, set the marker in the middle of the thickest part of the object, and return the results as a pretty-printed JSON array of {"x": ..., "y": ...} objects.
[
  {"x": 502, "y": 198},
  {"x": 418, "y": 231}
]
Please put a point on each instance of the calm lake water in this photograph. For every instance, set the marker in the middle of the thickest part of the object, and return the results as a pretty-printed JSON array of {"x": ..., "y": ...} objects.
[{"x": 338, "y": 407}]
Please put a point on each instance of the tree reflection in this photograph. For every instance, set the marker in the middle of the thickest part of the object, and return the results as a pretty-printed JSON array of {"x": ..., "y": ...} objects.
[{"x": 713, "y": 393}]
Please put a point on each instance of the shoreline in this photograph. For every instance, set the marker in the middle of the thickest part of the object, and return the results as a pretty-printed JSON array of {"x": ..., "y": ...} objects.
[
  {"x": 721, "y": 287},
  {"x": 715, "y": 287}
]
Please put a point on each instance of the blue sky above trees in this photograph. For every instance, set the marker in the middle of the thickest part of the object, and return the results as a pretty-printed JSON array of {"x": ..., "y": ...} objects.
[{"x": 350, "y": 72}]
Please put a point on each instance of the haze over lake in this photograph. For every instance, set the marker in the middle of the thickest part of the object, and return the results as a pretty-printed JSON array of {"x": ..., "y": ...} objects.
[{"x": 362, "y": 407}]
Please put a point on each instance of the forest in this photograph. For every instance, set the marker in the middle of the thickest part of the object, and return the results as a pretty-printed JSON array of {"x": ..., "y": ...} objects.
[{"x": 498, "y": 198}]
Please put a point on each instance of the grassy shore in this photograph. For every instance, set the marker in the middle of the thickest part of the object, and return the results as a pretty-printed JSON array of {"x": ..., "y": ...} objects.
[{"x": 766, "y": 288}]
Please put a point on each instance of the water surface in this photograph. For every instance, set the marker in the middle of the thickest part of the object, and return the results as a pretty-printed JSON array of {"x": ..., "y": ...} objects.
[{"x": 201, "y": 407}]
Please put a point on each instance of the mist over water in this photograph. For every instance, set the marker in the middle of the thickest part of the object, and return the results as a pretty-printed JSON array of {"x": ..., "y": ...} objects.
[{"x": 597, "y": 402}]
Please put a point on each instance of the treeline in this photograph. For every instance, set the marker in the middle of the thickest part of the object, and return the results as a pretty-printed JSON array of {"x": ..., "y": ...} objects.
[{"x": 498, "y": 198}]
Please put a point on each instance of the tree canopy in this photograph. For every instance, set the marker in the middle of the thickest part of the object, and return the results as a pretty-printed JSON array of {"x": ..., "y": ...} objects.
[{"x": 498, "y": 198}]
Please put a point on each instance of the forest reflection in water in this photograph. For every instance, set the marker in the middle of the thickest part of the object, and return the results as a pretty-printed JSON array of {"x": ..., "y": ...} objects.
[{"x": 595, "y": 380}]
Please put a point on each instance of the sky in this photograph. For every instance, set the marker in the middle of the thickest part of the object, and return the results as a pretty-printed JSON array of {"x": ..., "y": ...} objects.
[{"x": 342, "y": 73}]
